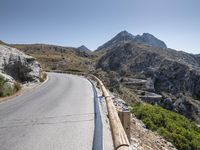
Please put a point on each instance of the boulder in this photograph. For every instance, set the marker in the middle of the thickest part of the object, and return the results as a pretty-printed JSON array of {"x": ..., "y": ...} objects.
[{"x": 19, "y": 66}]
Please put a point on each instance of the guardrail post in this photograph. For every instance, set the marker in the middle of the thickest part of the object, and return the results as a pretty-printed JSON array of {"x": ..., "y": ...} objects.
[{"x": 125, "y": 120}]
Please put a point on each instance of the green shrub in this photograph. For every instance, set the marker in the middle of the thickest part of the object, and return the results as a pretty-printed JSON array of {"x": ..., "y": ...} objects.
[
  {"x": 183, "y": 133},
  {"x": 7, "y": 90},
  {"x": 43, "y": 77},
  {"x": 17, "y": 86}
]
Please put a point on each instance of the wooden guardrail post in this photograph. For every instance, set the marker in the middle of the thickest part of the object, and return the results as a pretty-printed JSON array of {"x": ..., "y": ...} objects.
[{"x": 125, "y": 117}]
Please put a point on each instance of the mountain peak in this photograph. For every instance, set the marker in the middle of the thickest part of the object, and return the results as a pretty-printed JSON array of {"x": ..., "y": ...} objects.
[
  {"x": 125, "y": 34},
  {"x": 147, "y": 35},
  {"x": 124, "y": 37},
  {"x": 121, "y": 37},
  {"x": 149, "y": 39},
  {"x": 83, "y": 48}
]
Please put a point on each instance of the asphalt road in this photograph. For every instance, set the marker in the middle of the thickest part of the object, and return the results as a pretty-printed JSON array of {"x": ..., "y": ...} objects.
[{"x": 59, "y": 115}]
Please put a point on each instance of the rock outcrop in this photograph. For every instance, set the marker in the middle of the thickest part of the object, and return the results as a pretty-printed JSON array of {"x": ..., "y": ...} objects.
[{"x": 17, "y": 65}]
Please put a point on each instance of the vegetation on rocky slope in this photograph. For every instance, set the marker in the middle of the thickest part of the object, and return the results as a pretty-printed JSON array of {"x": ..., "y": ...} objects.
[
  {"x": 59, "y": 58},
  {"x": 184, "y": 134},
  {"x": 43, "y": 77},
  {"x": 6, "y": 89},
  {"x": 171, "y": 74}
]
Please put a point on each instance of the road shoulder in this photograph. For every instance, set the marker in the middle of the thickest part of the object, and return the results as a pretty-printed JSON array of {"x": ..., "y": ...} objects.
[{"x": 26, "y": 88}]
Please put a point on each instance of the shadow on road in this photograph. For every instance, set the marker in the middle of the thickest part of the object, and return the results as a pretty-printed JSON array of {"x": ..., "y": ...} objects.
[{"x": 98, "y": 130}]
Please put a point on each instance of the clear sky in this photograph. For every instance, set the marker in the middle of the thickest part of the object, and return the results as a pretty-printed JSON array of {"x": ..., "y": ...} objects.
[{"x": 93, "y": 22}]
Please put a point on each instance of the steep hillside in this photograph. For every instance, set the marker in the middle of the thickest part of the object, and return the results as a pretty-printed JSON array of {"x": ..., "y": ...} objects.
[
  {"x": 54, "y": 57},
  {"x": 198, "y": 58},
  {"x": 163, "y": 76}
]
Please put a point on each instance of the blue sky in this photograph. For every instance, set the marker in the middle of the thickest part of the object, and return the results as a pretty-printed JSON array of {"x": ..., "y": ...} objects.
[{"x": 93, "y": 22}]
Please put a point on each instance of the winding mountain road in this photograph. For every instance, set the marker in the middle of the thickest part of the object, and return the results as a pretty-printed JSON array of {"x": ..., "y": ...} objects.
[{"x": 59, "y": 115}]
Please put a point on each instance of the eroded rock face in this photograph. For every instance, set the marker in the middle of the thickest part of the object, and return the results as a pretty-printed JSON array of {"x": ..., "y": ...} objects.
[
  {"x": 175, "y": 78},
  {"x": 163, "y": 72},
  {"x": 167, "y": 71},
  {"x": 19, "y": 66}
]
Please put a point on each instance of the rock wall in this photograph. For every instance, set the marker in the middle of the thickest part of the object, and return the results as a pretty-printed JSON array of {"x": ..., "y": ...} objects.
[{"x": 19, "y": 66}]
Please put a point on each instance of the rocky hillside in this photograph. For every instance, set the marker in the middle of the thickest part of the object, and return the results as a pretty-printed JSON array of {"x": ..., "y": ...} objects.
[
  {"x": 198, "y": 58},
  {"x": 157, "y": 75},
  {"x": 54, "y": 57}
]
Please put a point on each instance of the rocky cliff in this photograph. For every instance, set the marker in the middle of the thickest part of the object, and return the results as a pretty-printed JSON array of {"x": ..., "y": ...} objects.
[{"x": 17, "y": 65}]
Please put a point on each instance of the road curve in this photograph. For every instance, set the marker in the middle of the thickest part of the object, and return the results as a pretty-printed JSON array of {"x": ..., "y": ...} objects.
[{"x": 59, "y": 115}]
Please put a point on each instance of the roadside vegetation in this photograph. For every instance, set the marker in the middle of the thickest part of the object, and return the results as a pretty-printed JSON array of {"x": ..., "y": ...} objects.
[
  {"x": 43, "y": 77},
  {"x": 183, "y": 133},
  {"x": 6, "y": 89}
]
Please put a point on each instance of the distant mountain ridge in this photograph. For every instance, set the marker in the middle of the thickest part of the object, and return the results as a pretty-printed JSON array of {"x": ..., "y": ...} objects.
[{"x": 125, "y": 37}]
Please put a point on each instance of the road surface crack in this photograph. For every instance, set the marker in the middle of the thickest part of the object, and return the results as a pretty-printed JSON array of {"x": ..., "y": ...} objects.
[{"x": 50, "y": 120}]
